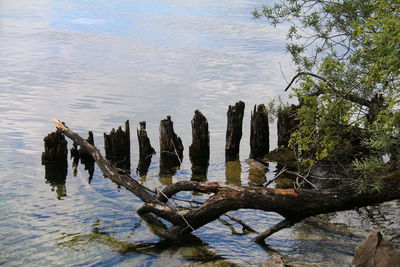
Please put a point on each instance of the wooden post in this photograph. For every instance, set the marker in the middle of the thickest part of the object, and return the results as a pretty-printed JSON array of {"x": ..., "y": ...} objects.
[
  {"x": 55, "y": 159},
  {"x": 75, "y": 155},
  {"x": 234, "y": 131},
  {"x": 85, "y": 157},
  {"x": 55, "y": 148},
  {"x": 199, "y": 151},
  {"x": 171, "y": 147},
  {"x": 259, "y": 132},
  {"x": 146, "y": 151},
  {"x": 287, "y": 124},
  {"x": 117, "y": 146}
]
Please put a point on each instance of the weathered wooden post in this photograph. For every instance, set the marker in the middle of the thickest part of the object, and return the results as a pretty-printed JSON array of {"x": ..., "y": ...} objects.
[
  {"x": 234, "y": 131},
  {"x": 55, "y": 148},
  {"x": 199, "y": 151},
  {"x": 55, "y": 159},
  {"x": 146, "y": 151},
  {"x": 117, "y": 146},
  {"x": 85, "y": 158},
  {"x": 171, "y": 147},
  {"x": 287, "y": 124},
  {"x": 259, "y": 132},
  {"x": 75, "y": 155}
]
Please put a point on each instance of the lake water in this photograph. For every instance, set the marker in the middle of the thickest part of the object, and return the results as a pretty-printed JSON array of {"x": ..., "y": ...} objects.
[{"x": 94, "y": 64}]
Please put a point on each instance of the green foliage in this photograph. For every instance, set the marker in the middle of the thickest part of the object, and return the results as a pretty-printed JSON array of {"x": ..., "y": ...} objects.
[
  {"x": 353, "y": 48},
  {"x": 273, "y": 106}
]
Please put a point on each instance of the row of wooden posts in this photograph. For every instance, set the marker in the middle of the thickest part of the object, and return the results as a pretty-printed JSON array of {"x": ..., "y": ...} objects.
[{"x": 117, "y": 142}]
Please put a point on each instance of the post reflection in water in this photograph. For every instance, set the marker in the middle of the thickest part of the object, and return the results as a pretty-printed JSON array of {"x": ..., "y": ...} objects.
[
  {"x": 257, "y": 172},
  {"x": 166, "y": 179},
  {"x": 56, "y": 175},
  {"x": 143, "y": 166},
  {"x": 199, "y": 172},
  {"x": 233, "y": 171}
]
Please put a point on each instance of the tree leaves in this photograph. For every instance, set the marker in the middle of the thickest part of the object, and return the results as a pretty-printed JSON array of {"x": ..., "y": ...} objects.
[{"x": 355, "y": 46}]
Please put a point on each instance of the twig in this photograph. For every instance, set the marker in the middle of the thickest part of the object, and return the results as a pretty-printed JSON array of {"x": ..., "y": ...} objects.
[
  {"x": 177, "y": 211},
  {"x": 315, "y": 177},
  {"x": 188, "y": 201},
  {"x": 283, "y": 170},
  {"x": 283, "y": 75},
  {"x": 305, "y": 178},
  {"x": 301, "y": 74},
  {"x": 176, "y": 152},
  {"x": 245, "y": 226}
]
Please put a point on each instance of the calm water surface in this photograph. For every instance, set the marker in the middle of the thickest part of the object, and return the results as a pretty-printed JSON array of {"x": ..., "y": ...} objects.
[{"x": 94, "y": 64}]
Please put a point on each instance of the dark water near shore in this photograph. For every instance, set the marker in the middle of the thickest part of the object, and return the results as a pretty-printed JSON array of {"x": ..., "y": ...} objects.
[{"x": 94, "y": 64}]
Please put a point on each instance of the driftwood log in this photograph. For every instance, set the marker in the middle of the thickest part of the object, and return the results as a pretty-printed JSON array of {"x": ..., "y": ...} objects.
[
  {"x": 293, "y": 205},
  {"x": 234, "y": 131}
]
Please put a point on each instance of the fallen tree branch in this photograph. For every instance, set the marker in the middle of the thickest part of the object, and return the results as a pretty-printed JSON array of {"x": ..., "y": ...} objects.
[{"x": 293, "y": 205}]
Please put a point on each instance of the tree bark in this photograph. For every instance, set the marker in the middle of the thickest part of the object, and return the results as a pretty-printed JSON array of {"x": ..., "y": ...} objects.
[
  {"x": 293, "y": 205},
  {"x": 234, "y": 131},
  {"x": 259, "y": 132}
]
